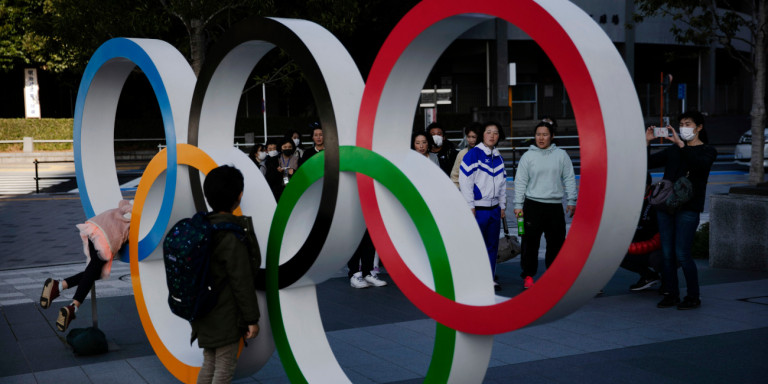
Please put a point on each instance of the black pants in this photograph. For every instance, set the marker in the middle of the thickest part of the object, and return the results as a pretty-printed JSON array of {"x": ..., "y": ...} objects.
[
  {"x": 362, "y": 259},
  {"x": 546, "y": 219},
  {"x": 84, "y": 280},
  {"x": 648, "y": 265}
]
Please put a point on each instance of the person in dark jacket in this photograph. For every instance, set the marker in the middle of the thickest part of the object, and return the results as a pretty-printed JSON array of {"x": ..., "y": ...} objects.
[
  {"x": 234, "y": 265},
  {"x": 689, "y": 156},
  {"x": 644, "y": 254},
  {"x": 443, "y": 148},
  {"x": 317, "y": 139}
]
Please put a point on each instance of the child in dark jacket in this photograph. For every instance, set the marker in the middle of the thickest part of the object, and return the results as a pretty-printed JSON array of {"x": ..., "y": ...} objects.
[{"x": 234, "y": 265}]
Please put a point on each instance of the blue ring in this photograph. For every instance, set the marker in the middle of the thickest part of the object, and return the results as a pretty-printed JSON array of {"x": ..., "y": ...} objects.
[{"x": 128, "y": 49}]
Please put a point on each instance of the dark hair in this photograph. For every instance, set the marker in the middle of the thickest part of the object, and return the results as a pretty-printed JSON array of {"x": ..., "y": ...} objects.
[
  {"x": 313, "y": 125},
  {"x": 286, "y": 139},
  {"x": 549, "y": 126},
  {"x": 487, "y": 124},
  {"x": 255, "y": 150},
  {"x": 475, "y": 127},
  {"x": 289, "y": 136},
  {"x": 430, "y": 142},
  {"x": 222, "y": 187},
  {"x": 435, "y": 125},
  {"x": 698, "y": 119}
]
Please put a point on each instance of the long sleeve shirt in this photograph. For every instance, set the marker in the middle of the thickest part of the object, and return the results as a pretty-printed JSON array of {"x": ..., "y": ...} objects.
[{"x": 545, "y": 175}]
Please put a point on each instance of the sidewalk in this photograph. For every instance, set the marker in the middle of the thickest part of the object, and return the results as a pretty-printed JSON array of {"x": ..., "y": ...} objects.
[{"x": 377, "y": 335}]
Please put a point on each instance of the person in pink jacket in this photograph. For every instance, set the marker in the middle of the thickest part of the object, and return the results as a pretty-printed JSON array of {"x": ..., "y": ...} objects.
[{"x": 103, "y": 235}]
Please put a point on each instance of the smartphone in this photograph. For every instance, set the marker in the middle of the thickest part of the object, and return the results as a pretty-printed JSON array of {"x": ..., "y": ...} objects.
[{"x": 660, "y": 132}]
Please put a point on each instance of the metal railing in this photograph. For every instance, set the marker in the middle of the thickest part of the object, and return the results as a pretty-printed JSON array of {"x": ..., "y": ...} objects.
[{"x": 38, "y": 178}]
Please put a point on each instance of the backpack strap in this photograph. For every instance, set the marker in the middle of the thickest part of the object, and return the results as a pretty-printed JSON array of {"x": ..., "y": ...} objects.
[{"x": 231, "y": 227}]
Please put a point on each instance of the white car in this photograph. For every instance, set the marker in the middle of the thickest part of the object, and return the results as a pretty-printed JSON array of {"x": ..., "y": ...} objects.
[{"x": 743, "y": 152}]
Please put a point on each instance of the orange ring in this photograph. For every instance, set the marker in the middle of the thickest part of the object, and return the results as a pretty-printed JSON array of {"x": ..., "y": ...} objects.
[{"x": 187, "y": 155}]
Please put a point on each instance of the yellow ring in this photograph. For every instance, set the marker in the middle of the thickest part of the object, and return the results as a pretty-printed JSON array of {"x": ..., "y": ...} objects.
[{"x": 188, "y": 155}]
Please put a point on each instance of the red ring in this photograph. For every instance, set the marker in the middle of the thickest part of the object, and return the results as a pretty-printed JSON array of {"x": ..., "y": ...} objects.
[{"x": 534, "y": 303}]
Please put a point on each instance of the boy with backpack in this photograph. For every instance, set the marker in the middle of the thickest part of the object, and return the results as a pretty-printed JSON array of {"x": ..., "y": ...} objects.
[{"x": 234, "y": 264}]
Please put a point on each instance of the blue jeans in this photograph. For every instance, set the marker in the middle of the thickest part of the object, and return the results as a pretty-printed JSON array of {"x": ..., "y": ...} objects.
[
  {"x": 677, "y": 231},
  {"x": 489, "y": 221}
]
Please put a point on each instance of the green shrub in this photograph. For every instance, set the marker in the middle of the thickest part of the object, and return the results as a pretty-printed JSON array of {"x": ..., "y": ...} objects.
[
  {"x": 700, "y": 247},
  {"x": 39, "y": 129}
]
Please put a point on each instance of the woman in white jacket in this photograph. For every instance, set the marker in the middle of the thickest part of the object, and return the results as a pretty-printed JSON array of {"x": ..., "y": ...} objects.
[
  {"x": 544, "y": 176},
  {"x": 483, "y": 183}
]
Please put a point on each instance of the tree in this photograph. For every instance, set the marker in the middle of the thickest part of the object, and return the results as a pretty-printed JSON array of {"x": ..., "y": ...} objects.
[
  {"x": 704, "y": 23},
  {"x": 202, "y": 19},
  {"x": 62, "y": 35}
]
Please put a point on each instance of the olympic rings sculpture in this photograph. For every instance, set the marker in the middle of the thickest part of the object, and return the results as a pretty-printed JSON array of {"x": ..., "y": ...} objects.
[{"x": 366, "y": 177}]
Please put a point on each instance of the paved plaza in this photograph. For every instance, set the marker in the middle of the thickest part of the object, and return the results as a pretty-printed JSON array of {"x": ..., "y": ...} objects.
[{"x": 377, "y": 335}]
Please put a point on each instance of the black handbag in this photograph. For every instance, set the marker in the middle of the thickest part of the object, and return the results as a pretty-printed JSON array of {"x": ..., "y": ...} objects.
[{"x": 668, "y": 196}]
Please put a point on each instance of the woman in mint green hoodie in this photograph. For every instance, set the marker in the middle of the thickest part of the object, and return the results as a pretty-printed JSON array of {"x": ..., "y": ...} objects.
[{"x": 544, "y": 176}]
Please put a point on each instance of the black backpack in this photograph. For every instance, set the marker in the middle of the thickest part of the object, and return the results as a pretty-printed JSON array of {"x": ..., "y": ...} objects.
[
  {"x": 87, "y": 341},
  {"x": 187, "y": 252}
]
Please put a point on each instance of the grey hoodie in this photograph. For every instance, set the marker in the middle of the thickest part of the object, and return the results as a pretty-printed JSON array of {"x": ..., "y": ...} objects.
[{"x": 545, "y": 175}]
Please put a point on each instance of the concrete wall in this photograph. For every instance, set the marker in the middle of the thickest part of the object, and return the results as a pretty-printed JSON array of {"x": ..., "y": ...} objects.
[{"x": 738, "y": 237}]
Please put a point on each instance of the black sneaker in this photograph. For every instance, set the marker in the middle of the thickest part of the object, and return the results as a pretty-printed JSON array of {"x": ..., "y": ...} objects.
[
  {"x": 644, "y": 283},
  {"x": 689, "y": 303},
  {"x": 668, "y": 302}
]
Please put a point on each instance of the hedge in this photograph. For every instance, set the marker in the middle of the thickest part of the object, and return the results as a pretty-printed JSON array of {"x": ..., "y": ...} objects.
[{"x": 39, "y": 129}]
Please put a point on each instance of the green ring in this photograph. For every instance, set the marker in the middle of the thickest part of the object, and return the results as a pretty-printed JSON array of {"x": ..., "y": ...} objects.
[{"x": 375, "y": 166}]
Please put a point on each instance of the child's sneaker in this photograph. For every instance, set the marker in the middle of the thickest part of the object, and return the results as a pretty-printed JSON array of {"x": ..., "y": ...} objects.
[
  {"x": 50, "y": 292},
  {"x": 66, "y": 315}
]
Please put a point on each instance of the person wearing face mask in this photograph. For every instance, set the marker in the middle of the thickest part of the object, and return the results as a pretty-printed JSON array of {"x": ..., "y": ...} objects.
[
  {"x": 471, "y": 133},
  {"x": 259, "y": 155},
  {"x": 544, "y": 176},
  {"x": 443, "y": 148},
  {"x": 280, "y": 168},
  {"x": 272, "y": 149},
  {"x": 295, "y": 136},
  {"x": 483, "y": 183},
  {"x": 689, "y": 156},
  {"x": 317, "y": 139}
]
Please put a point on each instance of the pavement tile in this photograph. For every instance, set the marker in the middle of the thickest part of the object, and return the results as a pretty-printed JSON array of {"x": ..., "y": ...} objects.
[
  {"x": 9, "y": 302},
  {"x": 381, "y": 372},
  {"x": 151, "y": 370},
  {"x": 548, "y": 348},
  {"x": 19, "y": 379},
  {"x": 357, "y": 377},
  {"x": 347, "y": 354},
  {"x": 69, "y": 375},
  {"x": 362, "y": 339},
  {"x": 13, "y": 361},
  {"x": 113, "y": 372},
  {"x": 273, "y": 369},
  {"x": 405, "y": 358},
  {"x": 380, "y": 337},
  {"x": 513, "y": 355}
]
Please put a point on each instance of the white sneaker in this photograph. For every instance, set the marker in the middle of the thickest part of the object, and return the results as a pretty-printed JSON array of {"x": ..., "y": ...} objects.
[
  {"x": 357, "y": 281},
  {"x": 375, "y": 281}
]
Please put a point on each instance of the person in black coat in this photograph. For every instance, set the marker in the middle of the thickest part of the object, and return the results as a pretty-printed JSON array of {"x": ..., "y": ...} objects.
[{"x": 690, "y": 157}]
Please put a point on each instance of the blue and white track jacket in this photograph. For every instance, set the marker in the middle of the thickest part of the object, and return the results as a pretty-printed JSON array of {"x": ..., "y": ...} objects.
[{"x": 483, "y": 180}]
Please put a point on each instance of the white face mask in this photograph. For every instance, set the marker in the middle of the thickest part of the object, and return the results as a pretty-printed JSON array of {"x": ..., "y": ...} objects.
[
  {"x": 296, "y": 141},
  {"x": 686, "y": 133},
  {"x": 272, "y": 153},
  {"x": 438, "y": 140},
  {"x": 262, "y": 155}
]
